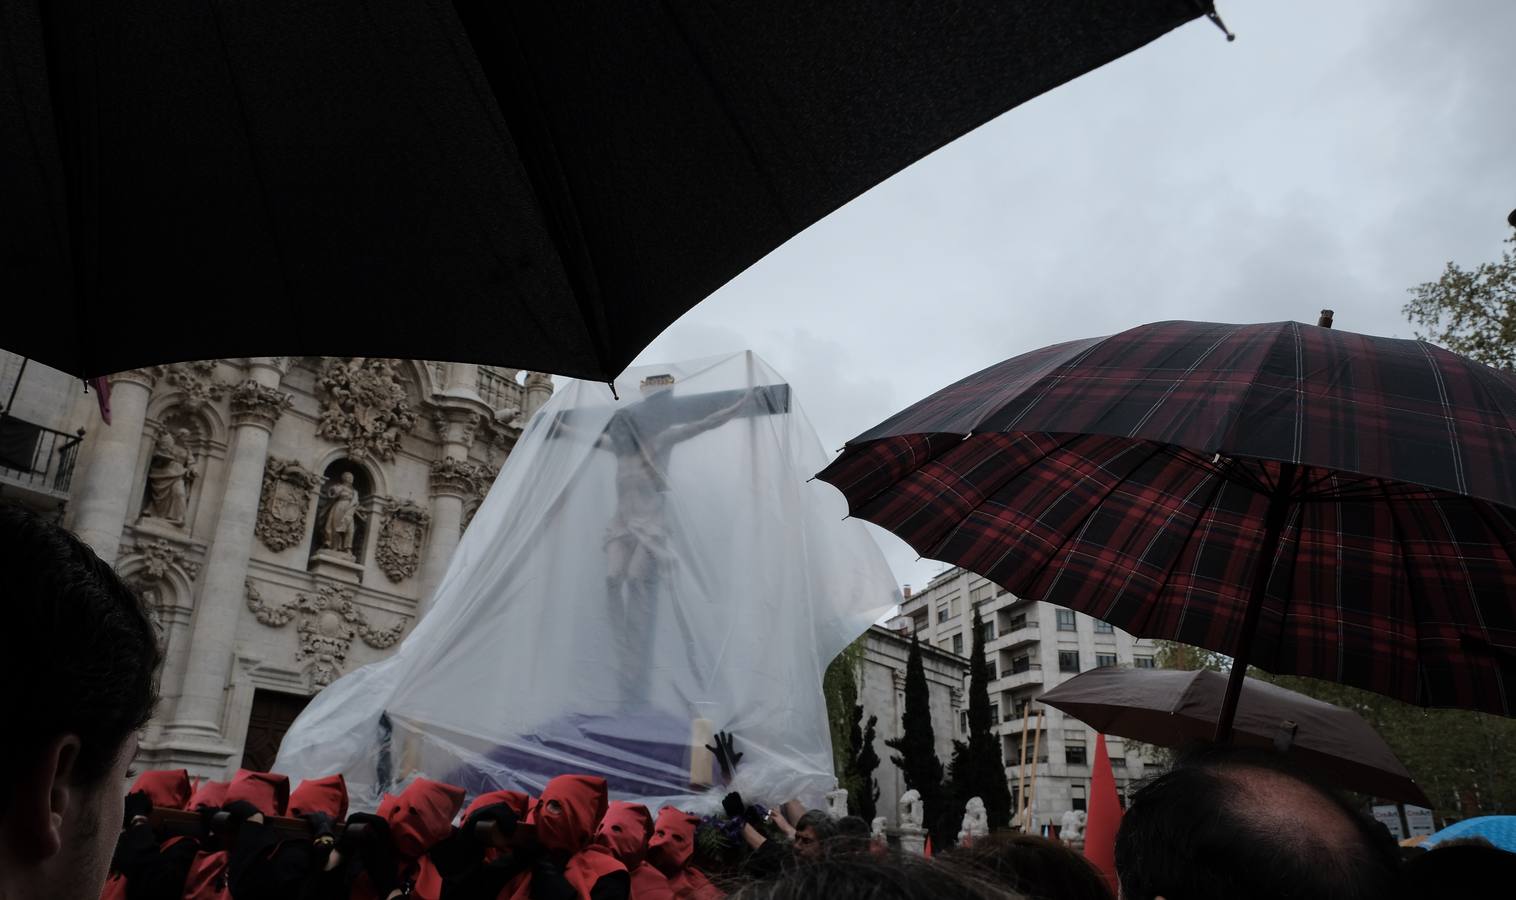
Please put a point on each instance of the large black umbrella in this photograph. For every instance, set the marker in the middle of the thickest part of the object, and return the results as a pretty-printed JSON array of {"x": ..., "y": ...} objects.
[
  {"x": 543, "y": 184},
  {"x": 1171, "y": 708},
  {"x": 1312, "y": 501}
]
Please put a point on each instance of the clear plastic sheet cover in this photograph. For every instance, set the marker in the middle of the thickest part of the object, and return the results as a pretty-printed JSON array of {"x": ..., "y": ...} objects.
[{"x": 644, "y": 571}]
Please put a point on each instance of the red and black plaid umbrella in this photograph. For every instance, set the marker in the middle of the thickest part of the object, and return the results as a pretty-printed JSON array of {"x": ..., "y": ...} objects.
[{"x": 1310, "y": 501}]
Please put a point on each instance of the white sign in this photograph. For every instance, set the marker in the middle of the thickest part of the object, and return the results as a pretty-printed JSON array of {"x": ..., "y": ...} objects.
[{"x": 1418, "y": 817}]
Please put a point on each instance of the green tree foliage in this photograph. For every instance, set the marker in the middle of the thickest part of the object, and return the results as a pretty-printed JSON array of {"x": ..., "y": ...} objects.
[
  {"x": 1174, "y": 655},
  {"x": 916, "y": 748},
  {"x": 986, "y": 775},
  {"x": 839, "y": 685},
  {"x": 1471, "y": 311}
]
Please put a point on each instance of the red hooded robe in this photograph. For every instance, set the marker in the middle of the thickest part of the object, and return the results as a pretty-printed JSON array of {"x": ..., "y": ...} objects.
[
  {"x": 670, "y": 849},
  {"x": 268, "y": 792},
  {"x": 624, "y": 831},
  {"x": 420, "y": 817},
  {"x": 320, "y": 795},
  {"x": 566, "y": 816}
]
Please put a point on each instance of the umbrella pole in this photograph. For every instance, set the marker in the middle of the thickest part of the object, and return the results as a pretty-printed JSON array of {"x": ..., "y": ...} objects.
[{"x": 1273, "y": 531}]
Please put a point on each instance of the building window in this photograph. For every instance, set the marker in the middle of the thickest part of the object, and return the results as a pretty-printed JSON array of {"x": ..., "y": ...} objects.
[
  {"x": 958, "y": 643},
  {"x": 994, "y": 712},
  {"x": 1021, "y": 664},
  {"x": 1068, "y": 660},
  {"x": 1104, "y": 627},
  {"x": 1143, "y": 662},
  {"x": 963, "y": 723},
  {"x": 942, "y": 613},
  {"x": 1074, "y": 755},
  {"x": 1077, "y": 797},
  {"x": 1065, "y": 620},
  {"x": 989, "y": 666},
  {"x": 987, "y": 631},
  {"x": 1118, "y": 762},
  {"x": 1105, "y": 659},
  {"x": 1018, "y": 622},
  {"x": 953, "y": 606}
]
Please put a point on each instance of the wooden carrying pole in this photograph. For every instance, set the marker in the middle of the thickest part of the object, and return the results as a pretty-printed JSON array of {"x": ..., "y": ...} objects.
[
  {"x": 1026, "y": 716},
  {"x": 1031, "y": 805}
]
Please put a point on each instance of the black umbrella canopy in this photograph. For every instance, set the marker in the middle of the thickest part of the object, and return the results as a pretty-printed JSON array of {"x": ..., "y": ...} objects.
[{"x": 546, "y": 185}]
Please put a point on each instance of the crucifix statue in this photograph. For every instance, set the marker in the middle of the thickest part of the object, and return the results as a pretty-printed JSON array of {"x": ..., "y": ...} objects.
[{"x": 638, "y": 546}]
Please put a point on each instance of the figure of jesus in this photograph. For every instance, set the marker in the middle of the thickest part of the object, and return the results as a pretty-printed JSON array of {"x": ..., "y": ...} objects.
[{"x": 638, "y": 546}]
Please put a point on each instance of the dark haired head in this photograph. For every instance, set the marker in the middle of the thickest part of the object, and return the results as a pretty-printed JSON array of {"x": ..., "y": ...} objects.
[
  {"x": 1459, "y": 869},
  {"x": 1034, "y": 866},
  {"x": 78, "y": 654},
  {"x": 1240, "y": 823},
  {"x": 881, "y": 877}
]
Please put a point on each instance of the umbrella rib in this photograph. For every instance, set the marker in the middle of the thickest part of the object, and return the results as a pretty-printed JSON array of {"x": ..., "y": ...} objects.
[
  {"x": 1207, "y": 510},
  {"x": 1399, "y": 543}
]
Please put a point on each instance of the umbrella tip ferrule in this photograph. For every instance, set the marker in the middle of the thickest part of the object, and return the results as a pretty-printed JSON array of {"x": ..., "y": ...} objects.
[{"x": 1215, "y": 18}]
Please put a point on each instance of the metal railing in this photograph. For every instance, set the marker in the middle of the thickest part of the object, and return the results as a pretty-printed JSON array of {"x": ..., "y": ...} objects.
[{"x": 37, "y": 458}]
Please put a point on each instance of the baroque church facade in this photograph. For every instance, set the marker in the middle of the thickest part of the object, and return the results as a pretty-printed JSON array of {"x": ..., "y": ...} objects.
[{"x": 285, "y": 518}]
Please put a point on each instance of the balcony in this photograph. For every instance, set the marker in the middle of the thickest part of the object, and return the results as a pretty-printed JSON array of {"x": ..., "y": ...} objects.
[
  {"x": 37, "y": 463},
  {"x": 1009, "y": 679},
  {"x": 499, "y": 391}
]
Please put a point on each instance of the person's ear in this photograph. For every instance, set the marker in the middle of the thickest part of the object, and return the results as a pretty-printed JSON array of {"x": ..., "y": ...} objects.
[{"x": 42, "y": 800}]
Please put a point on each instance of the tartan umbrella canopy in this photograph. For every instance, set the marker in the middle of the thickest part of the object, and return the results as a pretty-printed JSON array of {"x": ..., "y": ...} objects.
[
  {"x": 544, "y": 184},
  {"x": 1311, "y": 501}
]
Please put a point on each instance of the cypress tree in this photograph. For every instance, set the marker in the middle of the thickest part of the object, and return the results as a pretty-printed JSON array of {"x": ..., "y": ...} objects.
[
  {"x": 916, "y": 748},
  {"x": 986, "y": 776},
  {"x": 864, "y": 801}
]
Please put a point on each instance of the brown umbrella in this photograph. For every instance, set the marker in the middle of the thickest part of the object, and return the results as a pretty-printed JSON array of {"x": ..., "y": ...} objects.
[{"x": 1170, "y": 708}]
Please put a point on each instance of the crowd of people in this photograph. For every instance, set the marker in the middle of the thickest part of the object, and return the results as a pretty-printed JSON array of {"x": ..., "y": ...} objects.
[{"x": 78, "y": 656}]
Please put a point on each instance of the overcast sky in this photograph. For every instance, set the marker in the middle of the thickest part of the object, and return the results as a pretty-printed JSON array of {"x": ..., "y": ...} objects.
[{"x": 1333, "y": 156}]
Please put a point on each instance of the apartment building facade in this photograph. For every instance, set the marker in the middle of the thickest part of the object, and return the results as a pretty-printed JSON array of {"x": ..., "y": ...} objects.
[{"x": 1030, "y": 647}]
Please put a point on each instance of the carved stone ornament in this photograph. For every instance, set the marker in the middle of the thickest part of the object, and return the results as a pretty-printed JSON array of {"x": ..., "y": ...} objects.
[
  {"x": 328, "y": 622},
  {"x": 365, "y": 406},
  {"x": 159, "y": 556},
  {"x": 288, "y": 488},
  {"x": 258, "y": 404},
  {"x": 461, "y": 477},
  {"x": 467, "y": 421},
  {"x": 196, "y": 381},
  {"x": 402, "y": 537}
]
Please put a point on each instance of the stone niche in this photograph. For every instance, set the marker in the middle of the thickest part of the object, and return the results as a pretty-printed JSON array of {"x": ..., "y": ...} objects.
[{"x": 343, "y": 515}]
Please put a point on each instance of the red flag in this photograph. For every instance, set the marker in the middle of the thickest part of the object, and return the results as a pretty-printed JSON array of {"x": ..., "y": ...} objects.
[
  {"x": 926, "y": 849},
  {"x": 1104, "y": 816},
  {"x": 102, "y": 386}
]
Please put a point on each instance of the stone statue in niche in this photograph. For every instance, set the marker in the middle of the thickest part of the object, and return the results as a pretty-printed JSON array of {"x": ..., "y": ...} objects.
[
  {"x": 340, "y": 522},
  {"x": 976, "y": 823},
  {"x": 911, "y": 810},
  {"x": 169, "y": 477}
]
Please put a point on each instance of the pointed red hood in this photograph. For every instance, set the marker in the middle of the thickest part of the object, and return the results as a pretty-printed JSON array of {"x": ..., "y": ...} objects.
[
  {"x": 1104, "y": 816},
  {"x": 568, "y": 811},
  {"x": 519, "y": 803},
  {"x": 320, "y": 795},
  {"x": 268, "y": 791},
  {"x": 673, "y": 841},
  {"x": 625, "y": 830},
  {"x": 209, "y": 793},
  {"x": 421, "y": 816},
  {"x": 166, "y": 788}
]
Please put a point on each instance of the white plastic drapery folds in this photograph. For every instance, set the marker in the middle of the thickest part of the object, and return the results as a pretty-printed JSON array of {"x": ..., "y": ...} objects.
[{"x": 643, "y": 572}]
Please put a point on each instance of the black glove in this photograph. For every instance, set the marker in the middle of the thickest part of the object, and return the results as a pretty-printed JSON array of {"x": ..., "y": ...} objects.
[
  {"x": 371, "y": 846},
  {"x": 241, "y": 811},
  {"x": 499, "y": 814},
  {"x": 137, "y": 804},
  {"x": 732, "y": 805},
  {"x": 321, "y": 824},
  {"x": 726, "y": 754}
]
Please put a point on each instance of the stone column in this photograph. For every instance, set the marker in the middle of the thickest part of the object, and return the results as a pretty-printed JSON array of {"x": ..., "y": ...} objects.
[
  {"x": 256, "y": 405},
  {"x": 103, "y": 497},
  {"x": 539, "y": 387},
  {"x": 454, "y": 479}
]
